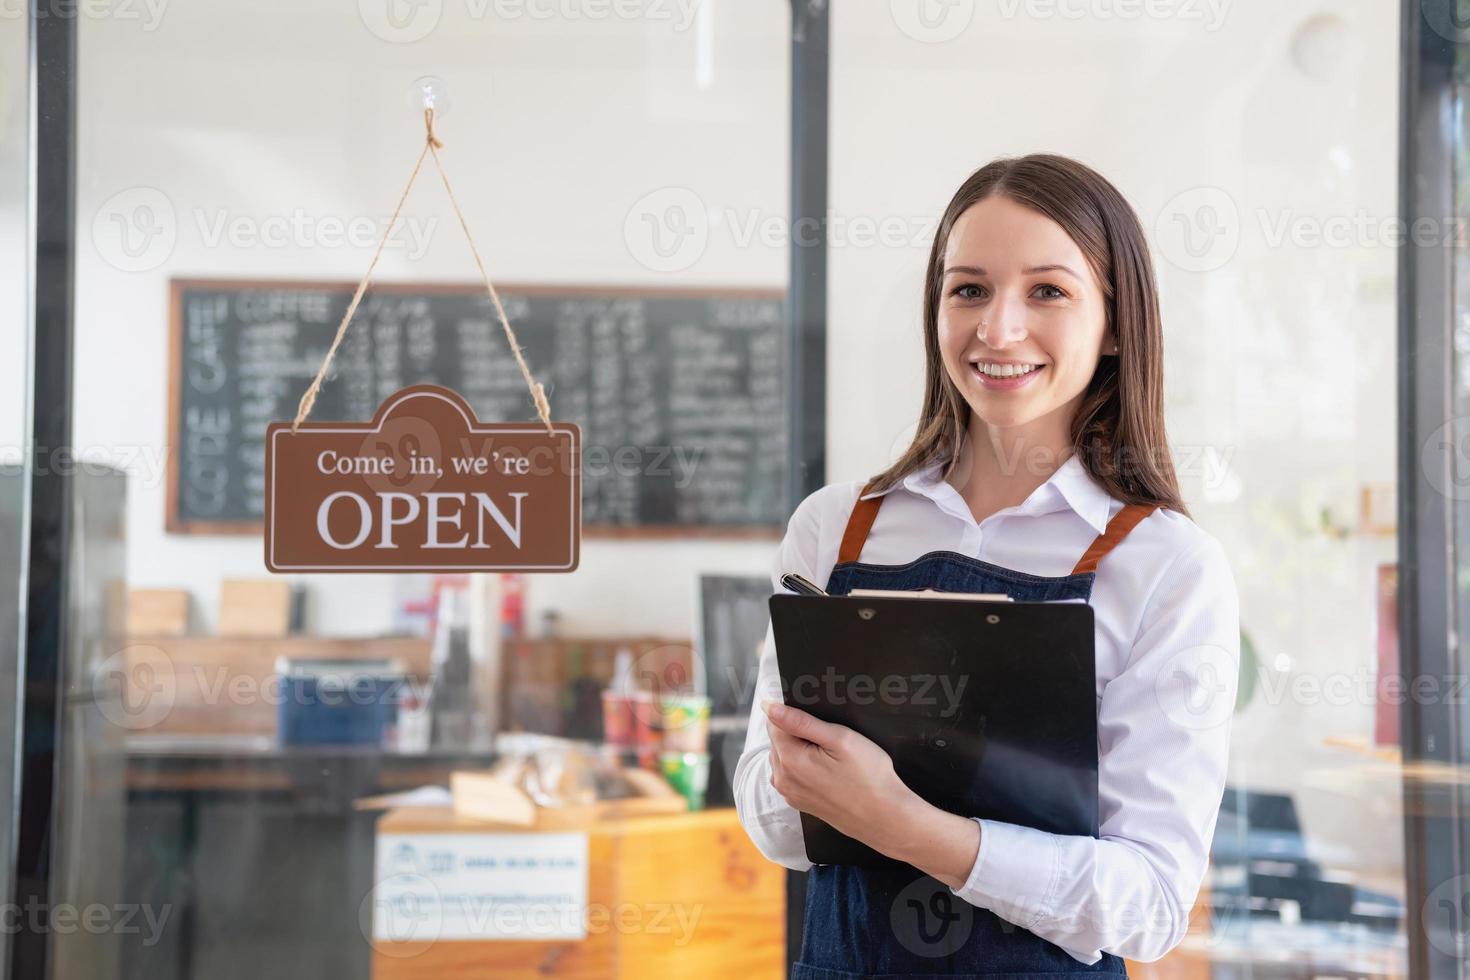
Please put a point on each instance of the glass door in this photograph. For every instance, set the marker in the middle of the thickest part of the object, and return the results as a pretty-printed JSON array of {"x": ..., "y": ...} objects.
[
  {"x": 188, "y": 209},
  {"x": 1258, "y": 146},
  {"x": 624, "y": 169}
]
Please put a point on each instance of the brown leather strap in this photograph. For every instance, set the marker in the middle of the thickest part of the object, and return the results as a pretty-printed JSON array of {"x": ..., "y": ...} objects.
[
  {"x": 1123, "y": 522},
  {"x": 859, "y": 523},
  {"x": 865, "y": 512}
]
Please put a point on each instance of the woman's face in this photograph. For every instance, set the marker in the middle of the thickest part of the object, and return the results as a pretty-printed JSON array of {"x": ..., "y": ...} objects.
[{"x": 1022, "y": 320}]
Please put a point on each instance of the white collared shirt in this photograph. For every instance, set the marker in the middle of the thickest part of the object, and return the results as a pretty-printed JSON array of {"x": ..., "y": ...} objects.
[{"x": 1167, "y": 654}]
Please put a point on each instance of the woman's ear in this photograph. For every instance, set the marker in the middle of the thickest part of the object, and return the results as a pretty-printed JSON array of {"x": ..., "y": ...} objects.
[{"x": 1110, "y": 343}]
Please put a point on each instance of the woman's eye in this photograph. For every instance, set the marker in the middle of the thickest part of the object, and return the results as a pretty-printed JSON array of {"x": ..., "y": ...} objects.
[
  {"x": 968, "y": 291},
  {"x": 1050, "y": 292}
]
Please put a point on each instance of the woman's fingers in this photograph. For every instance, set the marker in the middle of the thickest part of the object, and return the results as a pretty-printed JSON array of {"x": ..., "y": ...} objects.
[
  {"x": 781, "y": 742},
  {"x": 798, "y": 724}
]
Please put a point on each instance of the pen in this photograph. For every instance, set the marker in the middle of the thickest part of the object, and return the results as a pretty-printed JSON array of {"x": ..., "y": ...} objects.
[{"x": 800, "y": 585}]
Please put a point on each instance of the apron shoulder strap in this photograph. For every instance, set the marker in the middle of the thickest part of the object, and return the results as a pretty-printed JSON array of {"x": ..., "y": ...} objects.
[
  {"x": 865, "y": 512},
  {"x": 859, "y": 523},
  {"x": 1124, "y": 521}
]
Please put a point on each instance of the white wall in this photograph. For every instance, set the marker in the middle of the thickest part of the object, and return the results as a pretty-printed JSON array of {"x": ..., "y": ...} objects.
[{"x": 555, "y": 131}]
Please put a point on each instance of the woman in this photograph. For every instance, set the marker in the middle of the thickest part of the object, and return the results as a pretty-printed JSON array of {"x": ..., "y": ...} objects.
[{"x": 1040, "y": 469}]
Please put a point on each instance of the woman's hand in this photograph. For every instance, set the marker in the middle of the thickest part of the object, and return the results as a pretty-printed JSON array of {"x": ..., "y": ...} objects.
[
  {"x": 837, "y": 775},
  {"x": 844, "y": 778}
]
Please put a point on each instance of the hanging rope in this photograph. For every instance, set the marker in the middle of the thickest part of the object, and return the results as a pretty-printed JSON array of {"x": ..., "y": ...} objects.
[{"x": 432, "y": 146}]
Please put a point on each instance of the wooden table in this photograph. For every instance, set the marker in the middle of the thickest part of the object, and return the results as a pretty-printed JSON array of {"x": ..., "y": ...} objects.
[{"x": 701, "y": 863}]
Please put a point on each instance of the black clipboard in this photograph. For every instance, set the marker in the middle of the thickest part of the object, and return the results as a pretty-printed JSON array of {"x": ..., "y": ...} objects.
[{"x": 992, "y": 701}]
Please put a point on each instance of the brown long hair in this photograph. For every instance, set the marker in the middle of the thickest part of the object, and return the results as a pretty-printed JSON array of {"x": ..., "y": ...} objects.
[{"x": 1118, "y": 431}]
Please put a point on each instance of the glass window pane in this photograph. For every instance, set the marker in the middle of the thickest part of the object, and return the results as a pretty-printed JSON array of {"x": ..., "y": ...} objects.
[
  {"x": 623, "y": 168},
  {"x": 1258, "y": 148}
]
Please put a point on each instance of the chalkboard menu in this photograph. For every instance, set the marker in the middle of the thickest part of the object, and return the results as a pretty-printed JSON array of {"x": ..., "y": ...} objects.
[{"x": 679, "y": 394}]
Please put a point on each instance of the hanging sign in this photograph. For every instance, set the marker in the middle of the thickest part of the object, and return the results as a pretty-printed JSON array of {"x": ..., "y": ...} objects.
[{"x": 424, "y": 486}]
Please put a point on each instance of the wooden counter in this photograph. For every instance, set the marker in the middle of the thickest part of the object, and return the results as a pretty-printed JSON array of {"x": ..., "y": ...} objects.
[
  {"x": 702, "y": 863},
  {"x": 223, "y": 685}
]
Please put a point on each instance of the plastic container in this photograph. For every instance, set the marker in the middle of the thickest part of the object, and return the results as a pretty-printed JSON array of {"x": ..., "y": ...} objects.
[
  {"x": 687, "y": 772},
  {"x": 685, "y": 723}
]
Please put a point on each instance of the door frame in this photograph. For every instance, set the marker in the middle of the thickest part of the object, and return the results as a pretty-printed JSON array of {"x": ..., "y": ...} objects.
[
  {"x": 52, "y": 247},
  {"x": 1432, "y": 731}
]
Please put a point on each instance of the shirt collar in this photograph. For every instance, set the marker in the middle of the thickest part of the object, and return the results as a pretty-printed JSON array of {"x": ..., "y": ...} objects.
[{"x": 1070, "y": 486}]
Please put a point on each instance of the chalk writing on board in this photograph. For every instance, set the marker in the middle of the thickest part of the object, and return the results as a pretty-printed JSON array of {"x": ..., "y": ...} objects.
[{"x": 680, "y": 395}]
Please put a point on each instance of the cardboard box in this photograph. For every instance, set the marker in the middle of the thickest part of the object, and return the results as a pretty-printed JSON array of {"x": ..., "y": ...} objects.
[
  {"x": 488, "y": 797},
  {"x": 683, "y": 896},
  {"x": 254, "y": 607},
  {"x": 158, "y": 612}
]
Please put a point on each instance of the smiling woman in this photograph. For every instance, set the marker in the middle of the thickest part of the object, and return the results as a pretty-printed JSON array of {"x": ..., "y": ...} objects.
[
  {"x": 1037, "y": 474},
  {"x": 1010, "y": 321},
  {"x": 1041, "y": 317}
]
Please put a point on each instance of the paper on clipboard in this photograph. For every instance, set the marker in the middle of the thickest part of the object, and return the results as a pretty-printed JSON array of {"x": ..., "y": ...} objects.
[{"x": 929, "y": 594}]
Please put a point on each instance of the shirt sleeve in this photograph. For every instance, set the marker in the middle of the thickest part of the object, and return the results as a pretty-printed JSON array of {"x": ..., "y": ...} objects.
[
  {"x": 1163, "y": 738},
  {"x": 773, "y": 824}
]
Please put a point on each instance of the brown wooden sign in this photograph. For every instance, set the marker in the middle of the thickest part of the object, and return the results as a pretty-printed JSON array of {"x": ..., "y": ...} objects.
[{"x": 423, "y": 487}]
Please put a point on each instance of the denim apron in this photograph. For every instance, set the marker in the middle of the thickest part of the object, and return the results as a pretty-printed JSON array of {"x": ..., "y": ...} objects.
[{"x": 863, "y": 922}]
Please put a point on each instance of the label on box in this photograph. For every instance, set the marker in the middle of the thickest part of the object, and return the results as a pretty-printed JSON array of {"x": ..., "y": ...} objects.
[{"x": 479, "y": 887}]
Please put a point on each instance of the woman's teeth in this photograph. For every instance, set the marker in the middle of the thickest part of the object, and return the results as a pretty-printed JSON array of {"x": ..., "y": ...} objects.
[{"x": 1005, "y": 370}]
